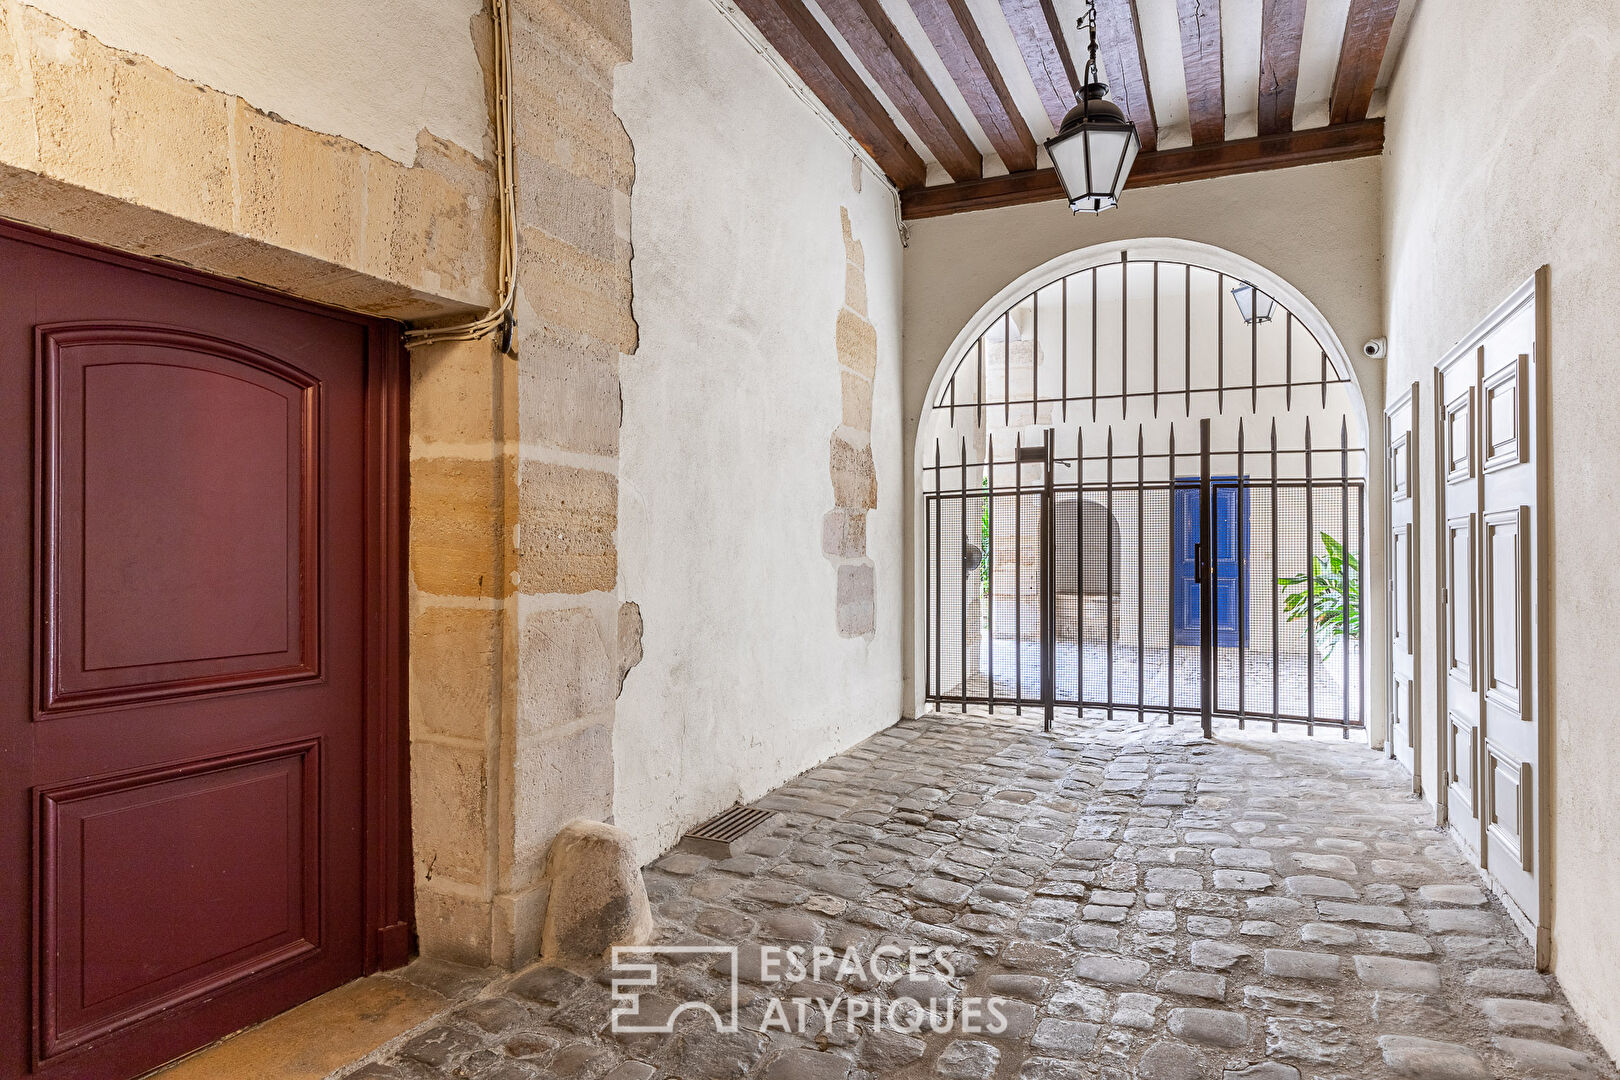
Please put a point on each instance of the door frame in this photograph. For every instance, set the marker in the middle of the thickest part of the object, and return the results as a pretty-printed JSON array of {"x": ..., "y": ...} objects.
[{"x": 387, "y": 871}]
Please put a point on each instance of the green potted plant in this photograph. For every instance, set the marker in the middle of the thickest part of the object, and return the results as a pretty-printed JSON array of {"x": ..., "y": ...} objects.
[{"x": 1332, "y": 590}]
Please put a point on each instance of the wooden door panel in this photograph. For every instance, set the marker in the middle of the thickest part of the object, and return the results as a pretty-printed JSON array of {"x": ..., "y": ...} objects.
[
  {"x": 160, "y": 886},
  {"x": 178, "y": 479},
  {"x": 200, "y": 655}
]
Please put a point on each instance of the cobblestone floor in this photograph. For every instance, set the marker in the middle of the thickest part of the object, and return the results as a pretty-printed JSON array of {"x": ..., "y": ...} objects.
[{"x": 1266, "y": 907}]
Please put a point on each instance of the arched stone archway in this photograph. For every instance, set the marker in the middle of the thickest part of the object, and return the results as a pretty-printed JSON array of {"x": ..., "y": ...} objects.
[{"x": 1098, "y": 363}]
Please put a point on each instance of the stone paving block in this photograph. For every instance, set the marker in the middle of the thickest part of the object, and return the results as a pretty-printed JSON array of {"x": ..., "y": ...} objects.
[
  {"x": 1295, "y": 964},
  {"x": 1291, "y": 1002},
  {"x": 1462, "y": 895},
  {"x": 1516, "y": 1014},
  {"x": 1533, "y": 1057},
  {"x": 1315, "y": 862},
  {"x": 1068, "y": 1038},
  {"x": 1313, "y": 885},
  {"x": 1393, "y": 973},
  {"x": 1218, "y": 955},
  {"x": 1166, "y": 1060},
  {"x": 1242, "y": 880},
  {"x": 1459, "y": 921},
  {"x": 1519, "y": 982},
  {"x": 1398, "y": 942},
  {"x": 1110, "y": 970},
  {"x": 1172, "y": 879},
  {"x": 800, "y": 1064},
  {"x": 1327, "y": 934},
  {"x": 968, "y": 1059},
  {"x": 1430, "y": 1059},
  {"x": 1265, "y": 1070},
  {"x": 1193, "y": 984},
  {"x": 1211, "y": 1027},
  {"x": 1076, "y": 1001},
  {"x": 1368, "y": 914},
  {"x": 1242, "y": 858},
  {"x": 1314, "y": 1042}
]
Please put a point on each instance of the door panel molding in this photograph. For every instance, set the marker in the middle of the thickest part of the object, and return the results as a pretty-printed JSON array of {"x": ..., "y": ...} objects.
[
  {"x": 87, "y": 436},
  {"x": 92, "y": 832}
]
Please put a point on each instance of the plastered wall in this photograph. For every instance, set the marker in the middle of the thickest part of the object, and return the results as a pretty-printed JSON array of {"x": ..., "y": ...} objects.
[
  {"x": 1315, "y": 227},
  {"x": 1486, "y": 179},
  {"x": 740, "y": 272}
]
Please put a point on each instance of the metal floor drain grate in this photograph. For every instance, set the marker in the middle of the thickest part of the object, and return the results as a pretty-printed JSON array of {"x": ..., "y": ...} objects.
[{"x": 716, "y": 836}]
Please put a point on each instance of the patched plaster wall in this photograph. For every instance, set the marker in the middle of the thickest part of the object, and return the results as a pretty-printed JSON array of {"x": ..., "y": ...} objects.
[
  {"x": 1485, "y": 180},
  {"x": 740, "y": 275},
  {"x": 1315, "y": 226}
]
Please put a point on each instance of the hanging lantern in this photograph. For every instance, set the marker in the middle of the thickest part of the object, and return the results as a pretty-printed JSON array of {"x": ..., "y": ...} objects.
[
  {"x": 1096, "y": 145},
  {"x": 1254, "y": 305}
]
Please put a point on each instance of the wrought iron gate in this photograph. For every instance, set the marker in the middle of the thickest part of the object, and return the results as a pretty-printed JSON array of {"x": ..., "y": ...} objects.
[{"x": 1096, "y": 565}]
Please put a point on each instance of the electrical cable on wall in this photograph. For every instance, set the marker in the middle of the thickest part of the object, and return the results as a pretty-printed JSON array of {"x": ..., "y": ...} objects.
[{"x": 499, "y": 317}]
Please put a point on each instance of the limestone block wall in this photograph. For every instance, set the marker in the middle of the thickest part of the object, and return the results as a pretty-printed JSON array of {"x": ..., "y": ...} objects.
[{"x": 575, "y": 170}]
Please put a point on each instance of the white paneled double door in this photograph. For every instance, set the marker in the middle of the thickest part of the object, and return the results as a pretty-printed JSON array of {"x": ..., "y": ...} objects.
[{"x": 1490, "y": 447}]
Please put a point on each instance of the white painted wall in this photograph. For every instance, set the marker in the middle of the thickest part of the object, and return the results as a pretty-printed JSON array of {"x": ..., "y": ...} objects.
[
  {"x": 1486, "y": 179},
  {"x": 1314, "y": 227},
  {"x": 729, "y": 403},
  {"x": 376, "y": 75}
]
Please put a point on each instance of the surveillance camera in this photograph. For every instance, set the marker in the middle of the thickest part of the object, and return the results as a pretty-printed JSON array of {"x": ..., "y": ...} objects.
[{"x": 1376, "y": 348}]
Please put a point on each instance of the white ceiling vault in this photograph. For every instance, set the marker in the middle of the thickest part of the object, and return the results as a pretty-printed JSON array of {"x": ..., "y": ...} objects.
[{"x": 953, "y": 98}]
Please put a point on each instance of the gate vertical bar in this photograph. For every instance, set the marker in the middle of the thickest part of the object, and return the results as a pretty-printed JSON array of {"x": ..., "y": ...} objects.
[
  {"x": 1109, "y": 527},
  {"x": 990, "y": 570},
  {"x": 1242, "y": 541},
  {"x": 1080, "y": 568},
  {"x": 1344, "y": 564},
  {"x": 1220, "y": 344},
  {"x": 1276, "y": 618},
  {"x": 936, "y": 632},
  {"x": 1361, "y": 589},
  {"x": 983, "y": 557},
  {"x": 1155, "y": 339},
  {"x": 1006, "y": 369},
  {"x": 1093, "y": 344},
  {"x": 1048, "y": 585},
  {"x": 1186, "y": 355},
  {"x": 1288, "y": 370},
  {"x": 1141, "y": 544},
  {"x": 1170, "y": 571},
  {"x": 1124, "y": 333},
  {"x": 1203, "y": 565},
  {"x": 1063, "y": 348},
  {"x": 1018, "y": 575},
  {"x": 1310, "y": 589}
]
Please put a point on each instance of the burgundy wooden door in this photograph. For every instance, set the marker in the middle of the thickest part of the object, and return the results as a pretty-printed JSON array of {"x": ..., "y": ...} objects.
[{"x": 187, "y": 577}]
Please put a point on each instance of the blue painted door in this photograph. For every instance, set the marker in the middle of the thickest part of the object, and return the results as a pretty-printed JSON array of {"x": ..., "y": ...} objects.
[{"x": 1231, "y": 560}]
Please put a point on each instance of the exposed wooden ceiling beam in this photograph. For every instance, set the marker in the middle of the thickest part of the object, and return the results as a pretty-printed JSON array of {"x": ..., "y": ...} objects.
[
  {"x": 875, "y": 40},
  {"x": 1119, "y": 43},
  {"x": 1364, "y": 138},
  {"x": 950, "y": 25},
  {"x": 1282, "y": 29},
  {"x": 1201, "y": 57},
  {"x": 1039, "y": 34},
  {"x": 796, "y": 34},
  {"x": 1366, "y": 36}
]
